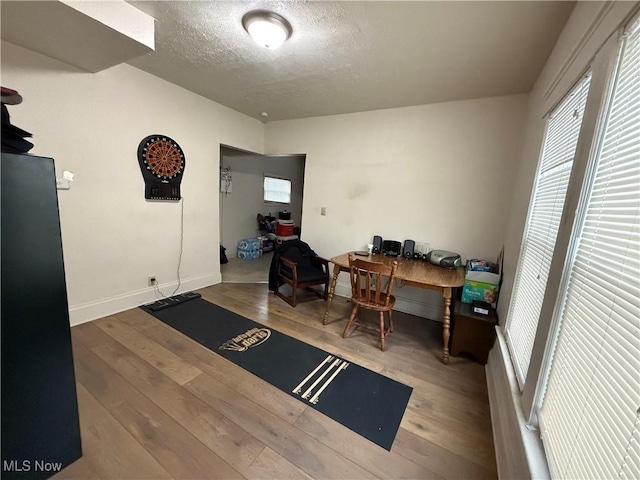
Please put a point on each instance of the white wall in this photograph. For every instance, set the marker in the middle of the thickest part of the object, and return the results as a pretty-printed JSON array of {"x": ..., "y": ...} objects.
[
  {"x": 240, "y": 207},
  {"x": 92, "y": 124},
  {"x": 441, "y": 174}
]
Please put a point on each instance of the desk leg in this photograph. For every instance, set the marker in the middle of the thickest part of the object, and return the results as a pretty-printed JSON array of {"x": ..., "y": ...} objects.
[
  {"x": 332, "y": 290},
  {"x": 446, "y": 294}
]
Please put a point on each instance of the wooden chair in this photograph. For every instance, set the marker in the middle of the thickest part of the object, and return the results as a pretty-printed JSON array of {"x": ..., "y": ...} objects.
[
  {"x": 367, "y": 291},
  {"x": 299, "y": 267}
]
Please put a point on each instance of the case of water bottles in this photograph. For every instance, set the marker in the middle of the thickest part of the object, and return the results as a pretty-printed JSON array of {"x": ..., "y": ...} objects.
[{"x": 249, "y": 249}]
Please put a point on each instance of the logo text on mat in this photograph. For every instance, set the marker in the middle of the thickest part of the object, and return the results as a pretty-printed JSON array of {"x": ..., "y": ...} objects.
[{"x": 250, "y": 338}]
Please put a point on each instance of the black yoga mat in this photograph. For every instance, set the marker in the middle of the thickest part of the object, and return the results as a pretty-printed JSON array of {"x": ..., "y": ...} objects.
[{"x": 368, "y": 403}]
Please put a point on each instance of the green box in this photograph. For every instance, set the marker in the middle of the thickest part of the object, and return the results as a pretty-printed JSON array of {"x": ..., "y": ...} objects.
[
  {"x": 474, "y": 290},
  {"x": 481, "y": 286}
]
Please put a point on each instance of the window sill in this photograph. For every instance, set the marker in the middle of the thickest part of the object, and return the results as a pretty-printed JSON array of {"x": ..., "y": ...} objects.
[{"x": 519, "y": 450}]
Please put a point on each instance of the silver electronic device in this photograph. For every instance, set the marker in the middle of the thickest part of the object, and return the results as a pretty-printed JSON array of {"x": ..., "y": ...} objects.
[{"x": 443, "y": 258}]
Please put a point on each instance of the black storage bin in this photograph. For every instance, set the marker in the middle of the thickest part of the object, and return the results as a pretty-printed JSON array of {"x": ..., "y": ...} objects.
[{"x": 284, "y": 215}]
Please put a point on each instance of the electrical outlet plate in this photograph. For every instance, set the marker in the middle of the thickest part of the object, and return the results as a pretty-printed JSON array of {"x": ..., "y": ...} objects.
[
  {"x": 152, "y": 280},
  {"x": 63, "y": 184}
]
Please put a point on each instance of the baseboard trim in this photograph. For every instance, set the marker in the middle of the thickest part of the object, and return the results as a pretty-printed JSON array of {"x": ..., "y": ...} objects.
[
  {"x": 79, "y": 314},
  {"x": 404, "y": 305}
]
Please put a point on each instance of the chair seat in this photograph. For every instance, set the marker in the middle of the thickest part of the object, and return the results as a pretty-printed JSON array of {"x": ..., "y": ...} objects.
[
  {"x": 306, "y": 274},
  {"x": 297, "y": 265},
  {"x": 372, "y": 304}
]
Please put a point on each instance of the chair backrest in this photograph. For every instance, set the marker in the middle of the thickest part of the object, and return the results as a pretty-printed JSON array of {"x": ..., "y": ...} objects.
[
  {"x": 297, "y": 251},
  {"x": 371, "y": 282}
]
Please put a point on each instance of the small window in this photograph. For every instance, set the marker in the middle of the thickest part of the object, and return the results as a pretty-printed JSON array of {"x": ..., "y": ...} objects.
[{"x": 277, "y": 190}]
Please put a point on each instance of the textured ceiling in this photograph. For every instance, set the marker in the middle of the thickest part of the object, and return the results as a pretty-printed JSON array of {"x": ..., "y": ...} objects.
[{"x": 352, "y": 56}]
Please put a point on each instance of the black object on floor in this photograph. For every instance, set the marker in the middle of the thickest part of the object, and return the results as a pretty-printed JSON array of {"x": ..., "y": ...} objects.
[
  {"x": 171, "y": 301},
  {"x": 368, "y": 403}
]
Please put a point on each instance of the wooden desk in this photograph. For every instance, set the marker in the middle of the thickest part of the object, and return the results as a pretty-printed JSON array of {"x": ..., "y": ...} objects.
[{"x": 416, "y": 273}]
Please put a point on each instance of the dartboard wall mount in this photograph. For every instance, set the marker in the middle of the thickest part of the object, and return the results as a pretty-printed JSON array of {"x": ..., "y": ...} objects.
[{"x": 162, "y": 164}]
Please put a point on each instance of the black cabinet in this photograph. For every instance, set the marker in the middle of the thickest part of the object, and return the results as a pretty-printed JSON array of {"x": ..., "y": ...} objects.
[
  {"x": 40, "y": 425},
  {"x": 473, "y": 333}
]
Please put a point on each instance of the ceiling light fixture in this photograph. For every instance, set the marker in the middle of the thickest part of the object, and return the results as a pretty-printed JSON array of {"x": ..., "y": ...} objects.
[{"x": 268, "y": 29}]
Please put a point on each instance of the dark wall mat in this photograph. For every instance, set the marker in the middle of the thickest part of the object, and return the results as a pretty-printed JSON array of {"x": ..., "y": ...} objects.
[{"x": 368, "y": 403}]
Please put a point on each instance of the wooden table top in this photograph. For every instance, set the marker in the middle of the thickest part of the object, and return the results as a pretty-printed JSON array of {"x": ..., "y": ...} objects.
[{"x": 412, "y": 271}]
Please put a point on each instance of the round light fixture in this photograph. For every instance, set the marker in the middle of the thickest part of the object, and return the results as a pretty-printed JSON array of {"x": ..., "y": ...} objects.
[{"x": 268, "y": 29}]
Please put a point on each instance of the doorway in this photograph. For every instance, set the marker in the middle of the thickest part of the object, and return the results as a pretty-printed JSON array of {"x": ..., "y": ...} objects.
[{"x": 242, "y": 198}]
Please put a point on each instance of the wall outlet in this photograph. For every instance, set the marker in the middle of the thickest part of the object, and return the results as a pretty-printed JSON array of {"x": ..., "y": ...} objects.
[
  {"x": 63, "y": 184},
  {"x": 323, "y": 210},
  {"x": 152, "y": 280}
]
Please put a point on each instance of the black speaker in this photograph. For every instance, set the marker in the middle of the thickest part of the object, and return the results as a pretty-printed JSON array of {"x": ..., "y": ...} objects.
[
  {"x": 407, "y": 250},
  {"x": 377, "y": 244}
]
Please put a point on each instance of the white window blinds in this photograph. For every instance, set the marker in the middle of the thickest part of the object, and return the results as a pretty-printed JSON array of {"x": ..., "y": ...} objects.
[
  {"x": 589, "y": 415},
  {"x": 541, "y": 230},
  {"x": 277, "y": 190}
]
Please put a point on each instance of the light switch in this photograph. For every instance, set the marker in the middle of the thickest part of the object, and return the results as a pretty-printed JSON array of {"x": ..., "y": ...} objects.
[{"x": 323, "y": 210}]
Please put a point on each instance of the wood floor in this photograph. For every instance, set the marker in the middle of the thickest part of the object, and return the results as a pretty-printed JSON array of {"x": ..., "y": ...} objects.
[
  {"x": 155, "y": 404},
  {"x": 237, "y": 270}
]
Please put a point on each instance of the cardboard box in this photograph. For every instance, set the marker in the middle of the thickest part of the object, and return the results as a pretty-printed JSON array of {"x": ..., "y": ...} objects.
[{"x": 483, "y": 286}]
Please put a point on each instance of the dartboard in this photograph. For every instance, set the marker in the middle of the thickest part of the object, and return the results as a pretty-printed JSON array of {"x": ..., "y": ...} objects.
[
  {"x": 162, "y": 156},
  {"x": 162, "y": 164}
]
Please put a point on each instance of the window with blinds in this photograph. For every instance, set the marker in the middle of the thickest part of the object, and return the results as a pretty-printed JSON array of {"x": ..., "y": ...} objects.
[
  {"x": 541, "y": 230},
  {"x": 277, "y": 190},
  {"x": 589, "y": 419}
]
